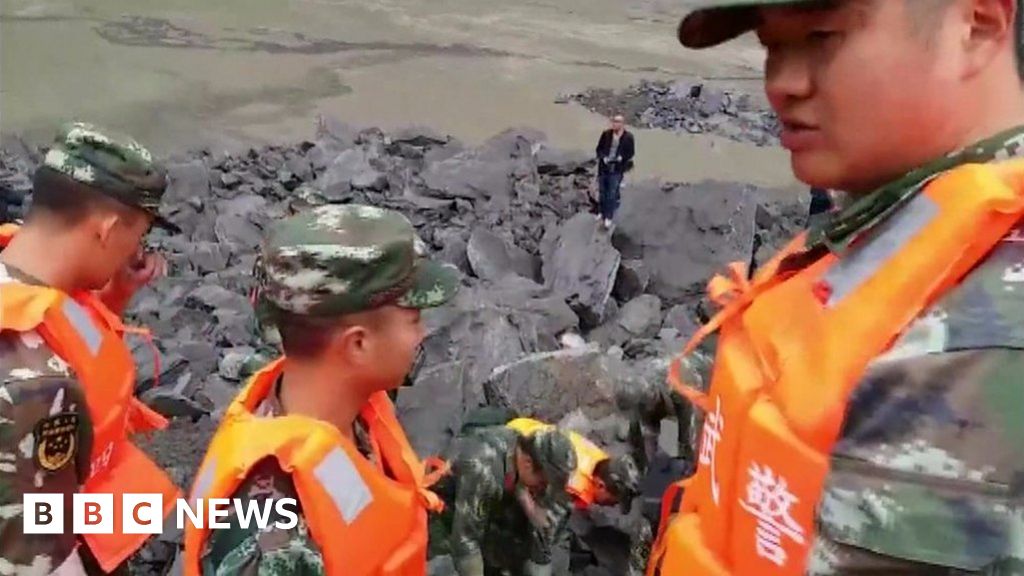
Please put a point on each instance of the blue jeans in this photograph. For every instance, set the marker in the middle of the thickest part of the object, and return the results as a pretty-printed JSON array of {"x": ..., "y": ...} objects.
[{"x": 608, "y": 186}]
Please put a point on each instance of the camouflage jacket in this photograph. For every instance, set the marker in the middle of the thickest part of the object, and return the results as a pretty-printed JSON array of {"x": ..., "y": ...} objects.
[
  {"x": 489, "y": 527},
  {"x": 38, "y": 390},
  {"x": 926, "y": 476},
  {"x": 927, "y": 470},
  {"x": 275, "y": 551}
]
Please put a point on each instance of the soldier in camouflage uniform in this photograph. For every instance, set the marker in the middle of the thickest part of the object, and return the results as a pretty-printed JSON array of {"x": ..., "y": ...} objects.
[
  {"x": 94, "y": 198},
  {"x": 876, "y": 98},
  {"x": 507, "y": 505},
  {"x": 326, "y": 278}
]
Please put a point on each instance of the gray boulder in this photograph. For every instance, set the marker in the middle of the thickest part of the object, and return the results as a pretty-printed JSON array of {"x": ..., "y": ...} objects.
[
  {"x": 350, "y": 170},
  {"x": 641, "y": 317},
  {"x": 551, "y": 385},
  {"x": 558, "y": 162},
  {"x": 492, "y": 257},
  {"x": 580, "y": 265},
  {"x": 681, "y": 320},
  {"x": 465, "y": 176},
  {"x": 632, "y": 280},
  {"x": 686, "y": 233}
]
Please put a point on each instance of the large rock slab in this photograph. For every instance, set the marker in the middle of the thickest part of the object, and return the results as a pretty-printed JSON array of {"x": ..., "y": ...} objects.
[
  {"x": 350, "y": 170},
  {"x": 686, "y": 233},
  {"x": 433, "y": 408},
  {"x": 580, "y": 265},
  {"x": 492, "y": 257},
  {"x": 466, "y": 176},
  {"x": 559, "y": 162},
  {"x": 551, "y": 385}
]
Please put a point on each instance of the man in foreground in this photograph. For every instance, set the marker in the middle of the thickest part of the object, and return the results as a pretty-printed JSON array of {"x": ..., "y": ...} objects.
[
  {"x": 67, "y": 402},
  {"x": 344, "y": 287},
  {"x": 861, "y": 413}
]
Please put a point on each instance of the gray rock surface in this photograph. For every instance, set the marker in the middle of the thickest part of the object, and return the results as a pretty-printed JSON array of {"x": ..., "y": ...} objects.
[
  {"x": 491, "y": 257},
  {"x": 538, "y": 271},
  {"x": 693, "y": 107},
  {"x": 686, "y": 233},
  {"x": 581, "y": 265}
]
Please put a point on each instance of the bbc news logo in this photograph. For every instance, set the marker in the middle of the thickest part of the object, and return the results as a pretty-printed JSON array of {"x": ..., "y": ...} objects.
[{"x": 143, "y": 513}]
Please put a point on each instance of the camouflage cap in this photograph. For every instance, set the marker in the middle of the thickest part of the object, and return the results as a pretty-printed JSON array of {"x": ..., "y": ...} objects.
[
  {"x": 717, "y": 21},
  {"x": 555, "y": 454},
  {"x": 623, "y": 479},
  {"x": 115, "y": 165},
  {"x": 340, "y": 259}
]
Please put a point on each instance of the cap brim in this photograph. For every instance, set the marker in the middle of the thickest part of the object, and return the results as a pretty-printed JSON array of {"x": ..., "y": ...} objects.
[
  {"x": 435, "y": 285},
  {"x": 723, "y": 20}
]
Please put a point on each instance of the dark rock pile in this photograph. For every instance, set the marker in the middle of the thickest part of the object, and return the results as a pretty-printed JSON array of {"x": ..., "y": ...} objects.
[
  {"x": 557, "y": 317},
  {"x": 694, "y": 107}
]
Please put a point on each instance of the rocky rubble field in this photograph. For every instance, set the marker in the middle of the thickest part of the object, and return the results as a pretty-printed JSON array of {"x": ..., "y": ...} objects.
[
  {"x": 694, "y": 107},
  {"x": 557, "y": 317}
]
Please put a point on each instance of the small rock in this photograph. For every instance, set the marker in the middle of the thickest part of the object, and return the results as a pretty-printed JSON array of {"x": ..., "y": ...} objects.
[
  {"x": 232, "y": 361},
  {"x": 641, "y": 317},
  {"x": 680, "y": 319},
  {"x": 631, "y": 281},
  {"x": 491, "y": 257}
]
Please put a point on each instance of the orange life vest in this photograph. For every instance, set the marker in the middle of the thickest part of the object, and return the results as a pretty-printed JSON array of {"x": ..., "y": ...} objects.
[
  {"x": 781, "y": 382},
  {"x": 88, "y": 337},
  {"x": 365, "y": 522},
  {"x": 581, "y": 484}
]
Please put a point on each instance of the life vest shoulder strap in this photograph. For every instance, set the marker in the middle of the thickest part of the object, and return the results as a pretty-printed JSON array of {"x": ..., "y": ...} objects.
[
  {"x": 24, "y": 307},
  {"x": 527, "y": 426},
  {"x": 7, "y": 231}
]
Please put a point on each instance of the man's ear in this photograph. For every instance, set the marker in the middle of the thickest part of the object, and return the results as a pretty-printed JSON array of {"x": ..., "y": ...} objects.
[
  {"x": 105, "y": 226},
  {"x": 352, "y": 343},
  {"x": 990, "y": 29}
]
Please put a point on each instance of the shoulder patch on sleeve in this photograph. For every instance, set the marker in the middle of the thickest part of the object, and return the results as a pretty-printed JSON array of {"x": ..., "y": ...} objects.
[{"x": 56, "y": 440}]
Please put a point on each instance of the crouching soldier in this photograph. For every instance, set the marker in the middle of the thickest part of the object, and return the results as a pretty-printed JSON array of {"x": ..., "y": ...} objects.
[{"x": 509, "y": 500}]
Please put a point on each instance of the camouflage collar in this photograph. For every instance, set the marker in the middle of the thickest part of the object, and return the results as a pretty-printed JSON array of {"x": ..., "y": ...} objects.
[
  {"x": 838, "y": 231},
  {"x": 271, "y": 407}
]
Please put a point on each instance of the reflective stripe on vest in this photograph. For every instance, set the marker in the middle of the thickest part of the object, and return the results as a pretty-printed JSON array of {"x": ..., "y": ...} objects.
[
  {"x": 365, "y": 522},
  {"x": 780, "y": 385},
  {"x": 77, "y": 332},
  {"x": 344, "y": 485},
  {"x": 588, "y": 455},
  {"x": 79, "y": 320}
]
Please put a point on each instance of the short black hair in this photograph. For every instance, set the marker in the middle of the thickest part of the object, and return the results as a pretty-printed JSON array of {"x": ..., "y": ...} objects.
[
  {"x": 304, "y": 337},
  {"x": 69, "y": 201},
  {"x": 307, "y": 337}
]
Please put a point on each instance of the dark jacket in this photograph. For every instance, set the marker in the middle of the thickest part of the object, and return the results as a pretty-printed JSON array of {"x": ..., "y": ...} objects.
[{"x": 625, "y": 155}]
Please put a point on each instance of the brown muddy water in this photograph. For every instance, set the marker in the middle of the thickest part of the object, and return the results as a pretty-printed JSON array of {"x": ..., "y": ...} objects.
[{"x": 226, "y": 73}]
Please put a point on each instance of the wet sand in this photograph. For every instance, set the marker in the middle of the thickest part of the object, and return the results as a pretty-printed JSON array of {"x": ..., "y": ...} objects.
[{"x": 185, "y": 73}]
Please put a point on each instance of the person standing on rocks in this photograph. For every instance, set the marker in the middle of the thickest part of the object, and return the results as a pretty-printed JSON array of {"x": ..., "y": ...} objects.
[
  {"x": 864, "y": 406},
  {"x": 344, "y": 285},
  {"x": 615, "y": 149},
  {"x": 66, "y": 402}
]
